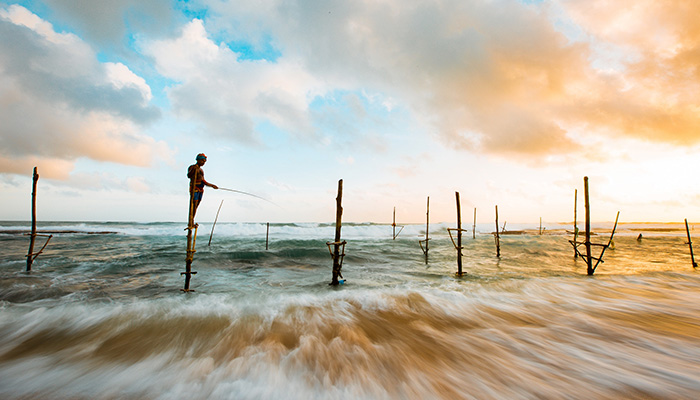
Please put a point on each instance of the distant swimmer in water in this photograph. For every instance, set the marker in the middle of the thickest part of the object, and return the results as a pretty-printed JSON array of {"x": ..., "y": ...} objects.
[
  {"x": 639, "y": 238},
  {"x": 197, "y": 184}
]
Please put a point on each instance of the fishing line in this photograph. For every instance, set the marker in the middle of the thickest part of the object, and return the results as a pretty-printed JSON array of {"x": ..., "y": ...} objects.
[{"x": 249, "y": 194}]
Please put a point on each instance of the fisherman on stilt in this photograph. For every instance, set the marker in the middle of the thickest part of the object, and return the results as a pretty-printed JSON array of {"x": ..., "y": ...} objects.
[{"x": 197, "y": 184}]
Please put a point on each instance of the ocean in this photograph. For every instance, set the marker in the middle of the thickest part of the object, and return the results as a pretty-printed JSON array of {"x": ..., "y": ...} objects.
[{"x": 101, "y": 314}]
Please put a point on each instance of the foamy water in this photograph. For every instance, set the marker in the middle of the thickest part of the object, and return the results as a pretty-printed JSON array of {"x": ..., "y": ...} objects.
[{"x": 102, "y": 316}]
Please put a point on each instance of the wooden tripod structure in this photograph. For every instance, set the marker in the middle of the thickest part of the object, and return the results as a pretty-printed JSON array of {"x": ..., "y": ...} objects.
[{"x": 590, "y": 268}]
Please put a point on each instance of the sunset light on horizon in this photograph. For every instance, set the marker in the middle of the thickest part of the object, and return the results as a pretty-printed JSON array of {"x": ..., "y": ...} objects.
[{"x": 508, "y": 102}]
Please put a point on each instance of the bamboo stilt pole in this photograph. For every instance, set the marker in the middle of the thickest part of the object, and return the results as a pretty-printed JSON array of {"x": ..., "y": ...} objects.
[
  {"x": 459, "y": 236},
  {"x": 32, "y": 238},
  {"x": 267, "y": 236},
  {"x": 393, "y": 225},
  {"x": 337, "y": 256},
  {"x": 690, "y": 244},
  {"x": 474, "y": 226},
  {"x": 427, "y": 230},
  {"x": 498, "y": 237},
  {"x": 589, "y": 260},
  {"x": 191, "y": 240},
  {"x": 575, "y": 223},
  {"x": 540, "y": 225}
]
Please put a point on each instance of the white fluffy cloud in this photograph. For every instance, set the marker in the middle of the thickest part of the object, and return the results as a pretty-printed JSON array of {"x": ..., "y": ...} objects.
[{"x": 59, "y": 103}]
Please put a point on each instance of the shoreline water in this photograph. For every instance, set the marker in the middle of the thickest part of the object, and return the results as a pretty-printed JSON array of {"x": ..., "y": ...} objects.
[{"x": 102, "y": 316}]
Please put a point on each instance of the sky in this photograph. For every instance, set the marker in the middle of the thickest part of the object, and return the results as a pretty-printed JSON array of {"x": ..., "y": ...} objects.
[{"x": 508, "y": 102}]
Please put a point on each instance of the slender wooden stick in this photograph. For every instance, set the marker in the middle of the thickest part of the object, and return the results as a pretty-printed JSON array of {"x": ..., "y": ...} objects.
[
  {"x": 393, "y": 225},
  {"x": 589, "y": 260},
  {"x": 690, "y": 244},
  {"x": 30, "y": 258},
  {"x": 427, "y": 230},
  {"x": 214, "y": 224},
  {"x": 267, "y": 236},
  {"x": 474, "y": 226}
]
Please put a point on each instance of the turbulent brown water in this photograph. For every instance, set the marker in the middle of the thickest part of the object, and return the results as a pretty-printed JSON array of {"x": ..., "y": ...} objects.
[{"x": 102, "y": 316}]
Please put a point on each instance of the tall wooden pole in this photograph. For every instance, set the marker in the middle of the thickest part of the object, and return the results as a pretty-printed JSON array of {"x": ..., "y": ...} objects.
[
  {"x": 267, "y": 236},
  {"x": 540, "y": 225},
  {"x": 589, "y": 259},
  {"x": 30, "y": 254},
  {"x": 498, "y": 237},
  {"x": 459, "y": 235},
  {"x": 575, "y": 222},
  {"x": 690, "y": 244},
  {"x": 393, "y": 225},
  {"x": 336, "y": 245},
  {"x": 474, "y": 226},
  {"x": 427, "y": 226},
  {"x": 191, "y": 239}
]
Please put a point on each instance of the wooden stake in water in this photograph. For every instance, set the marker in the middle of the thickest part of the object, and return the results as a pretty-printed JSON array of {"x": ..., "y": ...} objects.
[
  {"x": 474, "y": 226},
  {"x": 575, "y": 224},
  {"x": 589, "y": 259},
  {"x": 459, "y": 235},
  {"x": 497, "y": 236},
  {"x": 267, "y": 236},
  {"x": 32, "y": 236},
  {"x": 337, "y": 254},
  {"x": 427, "y": 225},
  {"x": 690, "y": 244}
]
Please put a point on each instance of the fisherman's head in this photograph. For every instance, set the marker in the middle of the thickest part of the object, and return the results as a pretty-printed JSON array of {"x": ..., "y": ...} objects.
[{"x": 201, "y": 158}]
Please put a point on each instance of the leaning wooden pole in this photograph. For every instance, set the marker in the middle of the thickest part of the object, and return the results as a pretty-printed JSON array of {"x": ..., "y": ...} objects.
[
  {"x": 497, "y": 236},
  {"x": 32, "y": 238},
  {"x": 337, "y": 256},
  {"x": 214, "y": 224},
  {"x": 690, "y": 244},
  {"x": 459, "y": 236},
  {"x": 589, "y": 259}
]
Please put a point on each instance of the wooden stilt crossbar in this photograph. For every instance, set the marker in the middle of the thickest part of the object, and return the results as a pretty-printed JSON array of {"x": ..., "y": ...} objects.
[
  {"x": 497, "y": 236},
  {"x": 690, "y": 244},
  {"x": 459, "y": 230},
  {"x": 393, "y": 224},
  {"x": 337, "y": 243},
  {"x": 427, "y": 230}
]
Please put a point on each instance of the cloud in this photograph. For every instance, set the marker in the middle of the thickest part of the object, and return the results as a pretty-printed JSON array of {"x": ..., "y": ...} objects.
[
  {"x": 227, "y": 95},
  {"x": 59, "y": 103},
  {"x": 501, "y": 76}
]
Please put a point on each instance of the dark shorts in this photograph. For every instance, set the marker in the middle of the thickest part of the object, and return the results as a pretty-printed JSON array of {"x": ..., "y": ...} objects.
[{"x": 198, "y": 196}]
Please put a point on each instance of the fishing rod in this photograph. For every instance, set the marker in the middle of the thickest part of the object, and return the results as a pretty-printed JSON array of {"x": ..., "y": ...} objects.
[{"x": 247, "y": 194}]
